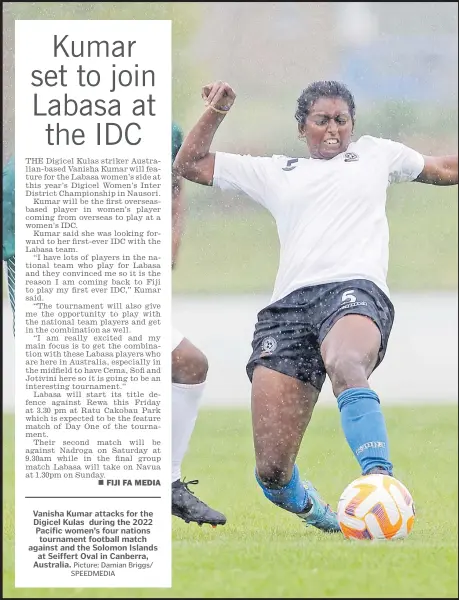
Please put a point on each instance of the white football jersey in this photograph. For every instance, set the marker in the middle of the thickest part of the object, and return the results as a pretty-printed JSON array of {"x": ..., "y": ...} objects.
[{"x": 330, "y": 214}]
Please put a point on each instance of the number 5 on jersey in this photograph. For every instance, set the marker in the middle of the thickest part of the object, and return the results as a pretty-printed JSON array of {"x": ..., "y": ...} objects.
[{"x": 348, "y": 296}]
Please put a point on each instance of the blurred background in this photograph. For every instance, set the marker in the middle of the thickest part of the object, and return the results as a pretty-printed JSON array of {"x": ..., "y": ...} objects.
[{"x": 400, "y": 61}]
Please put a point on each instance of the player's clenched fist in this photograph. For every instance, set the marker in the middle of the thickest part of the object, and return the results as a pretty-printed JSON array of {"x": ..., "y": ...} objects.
[{"x": 219, "y": 95}]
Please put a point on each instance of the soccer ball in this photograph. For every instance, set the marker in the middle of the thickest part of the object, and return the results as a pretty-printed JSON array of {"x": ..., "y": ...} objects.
[{"x": 376, "y": 507}]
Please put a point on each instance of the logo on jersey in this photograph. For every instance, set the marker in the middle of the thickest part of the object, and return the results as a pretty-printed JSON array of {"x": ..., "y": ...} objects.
[
  {"x": 290, "y": 162},
  {"x": 350, "y": 157},
  {"x": 268, "y": 345}
]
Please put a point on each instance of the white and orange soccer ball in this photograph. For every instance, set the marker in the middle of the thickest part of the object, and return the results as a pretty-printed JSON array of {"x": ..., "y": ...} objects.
[{"x": 376, "y": 507}]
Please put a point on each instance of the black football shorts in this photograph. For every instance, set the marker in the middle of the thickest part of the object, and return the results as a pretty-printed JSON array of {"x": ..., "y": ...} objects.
[{"x": 289, "y": 332}]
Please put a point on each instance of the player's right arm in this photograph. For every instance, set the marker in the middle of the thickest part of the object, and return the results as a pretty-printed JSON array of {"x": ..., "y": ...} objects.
[{"x": 194, "y": 161}]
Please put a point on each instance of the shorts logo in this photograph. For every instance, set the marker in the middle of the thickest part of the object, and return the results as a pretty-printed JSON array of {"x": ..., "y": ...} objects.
[
  {"x": 350, "y": 157},
  {"x": 268, "y": 345},
  {"x": 348, "y": 300}
]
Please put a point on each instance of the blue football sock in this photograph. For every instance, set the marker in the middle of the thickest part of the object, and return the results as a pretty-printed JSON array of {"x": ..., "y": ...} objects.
[
  {"x": 293, "y": 496},
  {"x": 364, "y": 427}
]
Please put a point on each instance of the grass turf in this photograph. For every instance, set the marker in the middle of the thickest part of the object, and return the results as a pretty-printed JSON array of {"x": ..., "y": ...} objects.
[{"x": 265, "y": 552}]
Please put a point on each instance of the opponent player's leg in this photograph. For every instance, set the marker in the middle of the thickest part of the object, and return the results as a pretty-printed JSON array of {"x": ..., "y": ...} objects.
[
  {"x": 281, "y": 410},
  {"x": 189, "y": 372},
  {"x": 350, "y": 351}
]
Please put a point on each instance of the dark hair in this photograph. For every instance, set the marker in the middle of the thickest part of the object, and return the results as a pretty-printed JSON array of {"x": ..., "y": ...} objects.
[{"x": 323, "y": 89}]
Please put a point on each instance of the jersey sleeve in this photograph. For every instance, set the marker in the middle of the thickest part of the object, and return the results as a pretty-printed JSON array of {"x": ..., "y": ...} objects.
[
  {"x": 404, "y": 163},
  {"x": 8, "y": 210},
  {"x": 253, "y": 175}
]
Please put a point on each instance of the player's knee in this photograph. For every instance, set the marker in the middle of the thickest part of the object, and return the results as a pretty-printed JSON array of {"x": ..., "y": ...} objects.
[
  {"x": 272, "y": 475},
  {"x": 201, "y": 366},
  {"x": 346, "y": 370},
  {"x": 189, "y": 367}
]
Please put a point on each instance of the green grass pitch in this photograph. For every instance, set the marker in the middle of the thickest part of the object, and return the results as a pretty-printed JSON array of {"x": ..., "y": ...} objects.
[{"x": 265, "y": 552}]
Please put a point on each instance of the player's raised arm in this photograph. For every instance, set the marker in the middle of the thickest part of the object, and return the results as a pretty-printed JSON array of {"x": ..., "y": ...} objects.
[
  {"x": 439, "y": 170},
  {"x": 194, "y": 161}
]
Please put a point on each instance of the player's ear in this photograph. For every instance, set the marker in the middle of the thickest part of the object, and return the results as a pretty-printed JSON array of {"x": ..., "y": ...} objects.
[{"x": 301, "y": 133}]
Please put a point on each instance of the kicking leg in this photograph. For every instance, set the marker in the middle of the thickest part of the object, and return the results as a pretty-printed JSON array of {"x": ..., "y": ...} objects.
[{"x": 350, "y": 353}]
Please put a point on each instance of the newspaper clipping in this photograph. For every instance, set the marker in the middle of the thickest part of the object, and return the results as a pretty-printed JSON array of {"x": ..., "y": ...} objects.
[{"x": 93, "y": 275}]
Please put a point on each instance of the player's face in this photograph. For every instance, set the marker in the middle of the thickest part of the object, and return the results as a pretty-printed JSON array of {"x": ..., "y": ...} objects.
[{"x": 328, "y": 128}]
